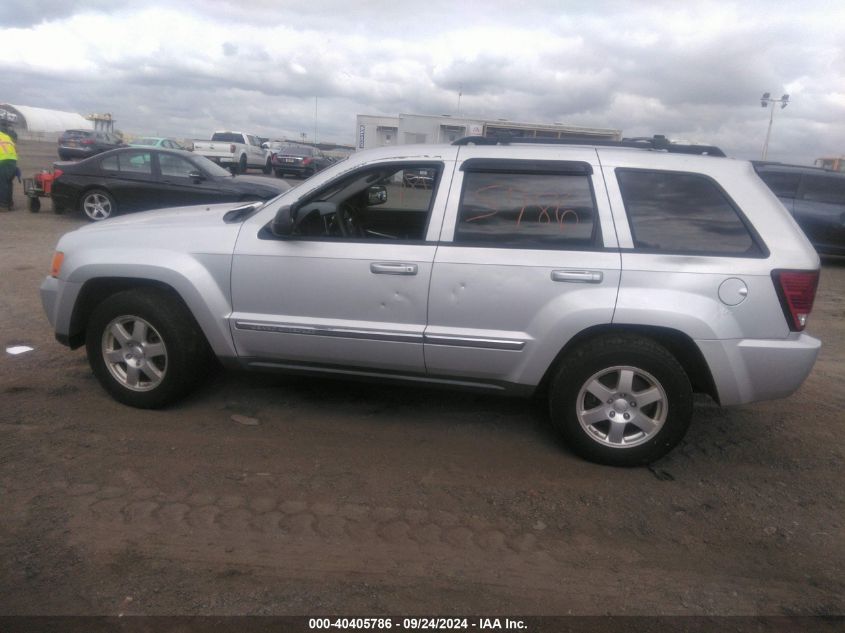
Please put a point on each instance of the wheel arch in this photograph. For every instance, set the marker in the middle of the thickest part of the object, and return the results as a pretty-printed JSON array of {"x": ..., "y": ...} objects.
[
  {"x": 97, "y": 289},
  {"x": 679, "y": 344}
]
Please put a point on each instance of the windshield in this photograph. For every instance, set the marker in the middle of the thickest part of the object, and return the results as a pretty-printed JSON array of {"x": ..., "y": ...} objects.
[
  {"x": 145, "y": 141},
  {"x": 211, "y": 168}
]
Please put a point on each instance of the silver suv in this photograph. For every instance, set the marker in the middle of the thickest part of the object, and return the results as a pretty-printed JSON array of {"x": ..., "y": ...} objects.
[{"x": 615, "y": 281}]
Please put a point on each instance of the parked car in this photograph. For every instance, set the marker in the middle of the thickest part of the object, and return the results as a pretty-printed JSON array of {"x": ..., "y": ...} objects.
[
  {"x": 273, "y": 147},
  {"x": 235, "y": 150},
  {"x": 816, "y": 199},
  {"x": 158, "y": 141},
  {"x": 612, "y": 281},
  {"x": 85, "y": 143},
  {"x": 299, "y": 160},
  {"x": 137, "y": 179}
]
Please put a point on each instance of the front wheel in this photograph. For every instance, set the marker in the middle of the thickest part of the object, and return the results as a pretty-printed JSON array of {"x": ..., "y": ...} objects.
[
  {"x": 145, "y": 348},
  {"x": 621, "y": 400},
  {"x": 98, "y": 205}
]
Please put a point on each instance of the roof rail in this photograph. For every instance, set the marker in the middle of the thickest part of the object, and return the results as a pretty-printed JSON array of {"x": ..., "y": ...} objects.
[{"x": 658, "y": 142}]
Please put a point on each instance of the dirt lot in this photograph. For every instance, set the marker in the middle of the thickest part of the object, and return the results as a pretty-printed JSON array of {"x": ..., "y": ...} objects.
[{"x": 360, "y": 499}]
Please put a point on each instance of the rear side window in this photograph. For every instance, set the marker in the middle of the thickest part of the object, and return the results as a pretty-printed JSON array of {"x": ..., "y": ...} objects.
[
  {"x": 678, "y": 212},
  {"x": 139, "y": 162},
  {"x": 526, "y": 210},
  {"x": 824, "y": 189},
  {"x": 782, "y": 184}
]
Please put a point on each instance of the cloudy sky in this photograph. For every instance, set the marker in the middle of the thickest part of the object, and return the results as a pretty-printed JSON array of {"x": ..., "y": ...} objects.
[{"x": 690, "y": 70}]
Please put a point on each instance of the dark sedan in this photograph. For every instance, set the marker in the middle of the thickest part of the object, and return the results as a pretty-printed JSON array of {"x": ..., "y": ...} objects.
[
  {"x": 302, "y": 161},
  {"x": 86, "y": 143},
  {"x": 816, "y": 199},
  {"x": 137, "y": 179}
]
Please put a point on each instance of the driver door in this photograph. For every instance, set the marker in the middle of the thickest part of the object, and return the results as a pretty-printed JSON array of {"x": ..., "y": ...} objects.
[{"x": 352, "y": 301}]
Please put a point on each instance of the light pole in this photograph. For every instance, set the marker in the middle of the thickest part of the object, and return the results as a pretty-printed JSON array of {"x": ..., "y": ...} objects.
[{"x": 765, "y": 100}]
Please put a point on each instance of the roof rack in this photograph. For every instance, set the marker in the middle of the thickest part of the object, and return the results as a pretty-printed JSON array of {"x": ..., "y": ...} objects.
[{"x": 657, "y": 142}]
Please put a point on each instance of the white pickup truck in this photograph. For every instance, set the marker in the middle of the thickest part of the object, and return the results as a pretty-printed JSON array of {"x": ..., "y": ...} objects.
[{"x": 235, "y": 150}]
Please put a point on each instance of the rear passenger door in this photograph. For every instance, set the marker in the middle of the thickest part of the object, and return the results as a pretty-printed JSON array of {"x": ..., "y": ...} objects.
[
  {"x": 129, "y": 177},
  {"x": 527, "y": 259}
]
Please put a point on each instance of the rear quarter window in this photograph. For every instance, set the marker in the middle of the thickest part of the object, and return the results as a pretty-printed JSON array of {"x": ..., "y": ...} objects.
[{"x": 684, "y": 213}]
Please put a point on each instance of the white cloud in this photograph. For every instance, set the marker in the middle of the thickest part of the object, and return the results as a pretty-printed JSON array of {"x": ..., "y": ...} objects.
[{"x": 186, "y": 68}]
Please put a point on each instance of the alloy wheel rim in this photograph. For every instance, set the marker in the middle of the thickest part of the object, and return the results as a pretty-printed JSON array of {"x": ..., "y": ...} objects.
[
  {"x": 622, "y": 407},
  {"x": 97, "y": 206},
  {"x": 134, "y": 353}
]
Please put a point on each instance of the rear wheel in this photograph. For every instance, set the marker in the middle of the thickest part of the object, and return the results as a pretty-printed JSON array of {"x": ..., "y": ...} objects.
[
  {"x": 622, "y": 400},
  {"x": 242, "y": 165},
  {"x": 97, "y": 205},
  {"x": 145, "y": 348},
  {"x": 268, "y": 167}
]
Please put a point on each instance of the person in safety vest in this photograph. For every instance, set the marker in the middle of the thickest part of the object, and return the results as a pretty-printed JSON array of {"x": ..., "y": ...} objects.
[{"x": 8, "y": 164}]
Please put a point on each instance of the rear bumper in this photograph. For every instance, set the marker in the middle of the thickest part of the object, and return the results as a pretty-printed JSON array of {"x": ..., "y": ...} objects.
[{"x": 748, "y": 370}]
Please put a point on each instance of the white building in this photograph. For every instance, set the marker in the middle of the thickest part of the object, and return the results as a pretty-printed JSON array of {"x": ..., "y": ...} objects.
[
  {"x": 41, "y": 123},
  {"x": 378, "y": 131}
]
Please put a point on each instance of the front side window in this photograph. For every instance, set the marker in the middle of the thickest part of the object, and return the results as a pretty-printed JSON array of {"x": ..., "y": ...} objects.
[
  {"x": 678, "y": 212},
  {"x": 174, "y": 166},
  {"x": 374, "y": 204},
  {"x": 528, "y": 210}
]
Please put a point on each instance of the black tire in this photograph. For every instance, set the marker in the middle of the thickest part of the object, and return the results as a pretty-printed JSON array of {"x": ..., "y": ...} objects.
[
  {"x": 279, "y": 173},
  {"x": 268, "y": 167},
  {"x": 242, "y": 165},
  {"x": 649, "y": 430},
  {"x": 97, "y": 205},
  {"x": 34, "y": 204},
  {"x": 159, "y": 378}
]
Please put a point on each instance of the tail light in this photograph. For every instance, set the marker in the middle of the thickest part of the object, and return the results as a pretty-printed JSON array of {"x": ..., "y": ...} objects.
[
  {"x": 306, "y": 161},
  {"x": 87, "y": 141},
  {"x": 796, "y": 290},
  {"x": 232, "y": 148},
  {"x": 57, "y": 173}
]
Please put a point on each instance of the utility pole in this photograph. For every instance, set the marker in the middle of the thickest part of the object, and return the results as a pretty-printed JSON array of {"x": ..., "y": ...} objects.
[{"x": 765, "y": 100}]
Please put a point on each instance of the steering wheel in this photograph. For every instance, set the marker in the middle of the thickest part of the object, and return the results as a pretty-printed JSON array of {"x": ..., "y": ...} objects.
[{"x": 348, "y": 222}]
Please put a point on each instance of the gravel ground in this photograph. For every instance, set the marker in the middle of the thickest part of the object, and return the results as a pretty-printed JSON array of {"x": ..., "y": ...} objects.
[{"x": 276, "y": 495}]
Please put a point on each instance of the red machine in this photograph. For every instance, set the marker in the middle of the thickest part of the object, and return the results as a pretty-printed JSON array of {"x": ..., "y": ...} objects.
[{"x": 40, "y": 185}]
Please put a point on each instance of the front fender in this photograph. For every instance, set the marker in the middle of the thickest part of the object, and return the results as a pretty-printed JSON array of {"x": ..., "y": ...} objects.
[{"x": 201, "y": 280}]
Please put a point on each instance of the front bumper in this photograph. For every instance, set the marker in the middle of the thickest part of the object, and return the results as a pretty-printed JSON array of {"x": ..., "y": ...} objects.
[
  {"x": 58, "y": 298},
  {"x": 749, "y": 370}
]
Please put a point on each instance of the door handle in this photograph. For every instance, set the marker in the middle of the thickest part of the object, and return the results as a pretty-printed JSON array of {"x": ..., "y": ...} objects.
[
  {"x": 578, "y": 276},
  {"x": 388, "y": 268}
]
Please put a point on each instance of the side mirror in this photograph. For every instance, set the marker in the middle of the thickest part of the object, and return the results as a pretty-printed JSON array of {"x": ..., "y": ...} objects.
[
  {"x": 196, "y": 176},
  {"x": 377, "y": 194},
  {"x": 265, "y": 146},
  {"x": 283, "y": 223}
]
